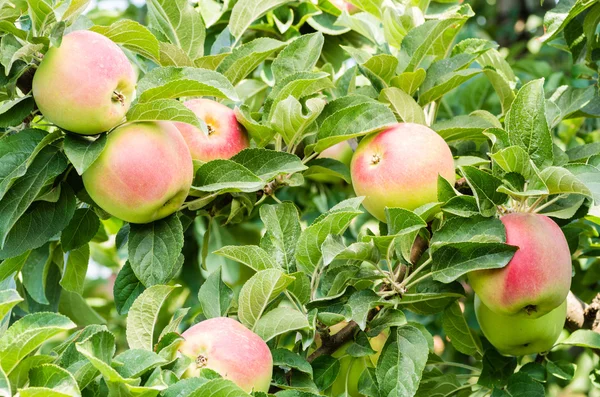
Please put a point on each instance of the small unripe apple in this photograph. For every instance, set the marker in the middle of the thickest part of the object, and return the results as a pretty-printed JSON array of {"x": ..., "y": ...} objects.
[
  {"x": 519, "y": 336},
  {"x": 226, "y": 137},
  {"x": 399, "y": 167},
  {"x": 86, "y": 85},
  {"x": 143, "y": 174},
  {"x": 227, "y": 347},
  {"x": 538, "y": 277}
]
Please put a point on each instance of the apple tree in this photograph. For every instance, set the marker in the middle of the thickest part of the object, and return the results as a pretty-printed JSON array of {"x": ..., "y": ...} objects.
[{"x": 298, "y": 198}]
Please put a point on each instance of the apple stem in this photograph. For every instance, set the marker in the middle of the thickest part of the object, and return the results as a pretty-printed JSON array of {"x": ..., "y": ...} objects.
[{"x": 375, "y": 159}]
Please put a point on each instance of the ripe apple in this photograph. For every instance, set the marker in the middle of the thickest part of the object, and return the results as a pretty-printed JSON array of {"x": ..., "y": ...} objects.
[
  {"x": 399, "y": 167},
  {"x": 86, "y": 85},
  {"x": 344, "y": 5},
  {"x": 519, "y": 336},
  {"x": 143, "y": 174},
  {"x": 227, "y": 347},
  {"x": 226, "y": 137},
  {"x": 537, "y": 279}
]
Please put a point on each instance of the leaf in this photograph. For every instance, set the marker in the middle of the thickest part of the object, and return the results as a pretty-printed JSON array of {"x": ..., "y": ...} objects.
[
  {"x": 291, "y": 122},
  {"x": 360, "y": 304},
  {"x": 515, "y": 159},
  {"x": 267, "y": 164},
  {"x": 143, "y": 315},
  {"x": 557, "y": 18},
  {"x": 162, "y": 110},
  {"x": 13, "y": 112},
  {"x": 135, "y": 362},
  {"x": 526, "y": 123},
  {"x": 247, "y": 11},
  {"x": 8, "y": 299},
  {"x": 154, "y": 250},
  {"x": 259, "y": 132},
  {"x": 447, "y": 83},
  {"x": 133, "y": 36},
  {"x": 523, "y": 385},
  {"x": 27, "y": 334},
  {"x": 461, "y": 336},
  {"x": 500, "y": 75},
  {"x": 463, "y": 128},
  {"x": 48, "y": 164},
  {"x": 81, "y": 229},
  {"x": 177, "y": 82},
  {"x": 4, "y": 385},
  {"x": 126, "y": 289},
  {"x": 301, "y": 55},
  {"x": 252, "y": 256},
  {"x": 409, "y": 82},
  {"x": 485, "y": 188},
  {"x": 226, "y": 175},
  {"x": 475, "y": 229},
  {"x": 560, "y": 180},
  {"x": 583, "y": 338},
  {"x": 215, "y": 296},
  {"x": 257, "y": 292},
  {"x": 82, "y": 152},
  {"x": 561, "y": 369},
  {"x": 402, "y": 361},
  {"x": 180, "y": 23},
  {"x": 244, "y": 59},
  {"x": 286, "y": 358},
  {"x": 589, "y": 176},
  {"x": 219, "y": 387},
  {"x": 75, "y": 270},
  {"x": 41, "y": 14},
  {"x": 52, "y": 377},
  {"x": 454, "y": 260},
  {"x": 282, "y": 223},
  {"x": 325, "y": 371},
  {"x": 403, "y": 105},
  {"x": 352, "y": 121},
  {"x": 279, "y": 321},
  {"x": 298, "y": 85}
]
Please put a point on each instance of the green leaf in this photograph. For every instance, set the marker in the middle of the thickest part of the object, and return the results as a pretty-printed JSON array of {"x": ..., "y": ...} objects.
[
  {"x": 282, "y": 223},
  {"x": 257, "y": 292},
  {"x": 27, "y": 334},
  {"x": 357, "y": 119},
  {"x": 81, "y": 229},
  {"x": 557, "y": 18},
  {"x": 475, "y": 229},
  {"x": 135, "y": 362},
  {"x": 16, "y": 155},
  {"x": 583, "y": 338},
  {"x": 35, "y": 273},
  {"x": 226, "y": 175},
  {"x": 526, "y": 123},
  {"x": 409, "y": 82},
  {"x": 42, "y": 221},
  {"x": 177, "y": 82},
  {"x": 162, "y": 110},
  {"x": 259, "y": 132},
  {"x": 48, "y": 164},
  {"x": 522, "y": 385},
  {"x": 244, "y": 59},
  {"x": 456, "y": 328},
  {"x": 41, "y": 14},
  {"x": 143, "y": 315},
  {"x": 279, "y": 321},
  {"x": 247, "y": 11},
  {"x": 13, "y": 265},
  {"x": 126, "y": 289},
  {"x": 484, "y": 188},
  {"x": 82, "y": 151},
  {"x": 500, "y": 75},
  {"x": 172, "y": 55},
  {"x": 154, "y": 250},
  {"x": 75, "y": 307},
  {"x": 560, "y": 180},
  {"x": 215, "y": 296},
  {"x": 325, "y": 371},
  {"x": 76, "y": 265},
  {"x": 402, "y": 361},
  {"x": 301, "y": 55},
  {"x": 52, "y": 377},
  {"x": 445, "y": 84},
  {"x": 463, "y": 128},
  {"x": 180, "y": 23},
  {"x": 454, "y": 260},
  {"x": 589, "y": 176},
  {"x": 8, "y": 299},
  {"x": 133, "y": 36},
  {"x": 515, "y": 159},
  {"x": 291, "y": 122},
  {"x": 561, "y": 369},
  {"x": 252, "y": 256},
  {"x": 4, "y": 385},
  {"x": 267, "y": 164},
  {"x": 286, "y": 358},
  {"x": 360, "y": 303},
  {"x": 403, "y": 105},
  {"x": 219, "y": 387},
  {"x": 298, "y": 85},
  {"x": 319, "y": 167},
  {"x": 13, "y": 112}
]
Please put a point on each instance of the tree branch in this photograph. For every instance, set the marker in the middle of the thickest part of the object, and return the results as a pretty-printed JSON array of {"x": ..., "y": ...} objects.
[{"x": 580, "y": 315}]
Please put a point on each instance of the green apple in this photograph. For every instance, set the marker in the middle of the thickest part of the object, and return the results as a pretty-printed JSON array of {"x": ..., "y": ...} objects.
[
  {"x": 399, "y": 167},
  {"x": 86, "y": 85},
  {"x": 143, "y": 174},
  {"x": 227, "y": 347},
  {"x": 538, "y": 277},
  {"x": 519, "y": 336}
]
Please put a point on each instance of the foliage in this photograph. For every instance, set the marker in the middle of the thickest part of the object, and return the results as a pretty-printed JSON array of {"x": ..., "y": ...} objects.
[{"x": 91, "y": 305}]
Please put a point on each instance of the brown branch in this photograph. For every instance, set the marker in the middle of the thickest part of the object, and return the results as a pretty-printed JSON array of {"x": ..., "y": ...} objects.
[
  {"x": 580, "y": 315},
  {"x": 331, "y": 343}
]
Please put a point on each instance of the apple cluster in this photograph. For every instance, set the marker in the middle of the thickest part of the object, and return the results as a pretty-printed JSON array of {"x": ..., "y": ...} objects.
[
  {"x": 521, "y": 307},
  {"x": 86, "y": 86}
]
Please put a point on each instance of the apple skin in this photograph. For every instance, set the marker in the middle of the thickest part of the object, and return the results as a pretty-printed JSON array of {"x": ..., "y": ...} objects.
[
  {"x": 537, "y": 279},
  {"x": 343, "y": 5},
  {"x": 143, "y": 174},
  {"x": 227, "y": 347},
  {"x": 399, "y": 167},
  {"x": 74, "y": 87},
  {"x": 226, "y": 136},
  {"x": 518, "y": 336}
]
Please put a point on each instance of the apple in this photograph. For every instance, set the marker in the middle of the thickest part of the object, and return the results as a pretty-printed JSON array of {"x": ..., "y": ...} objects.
[
  {"x": 344, "y": 5},
  {"x": 519, "y": 336},
  {"x": 226, "y": 137},
  {"x": 227, "y": 347},
  {"x": 86, "y": 85},
  {"x": 538, "y": 277},
  {"x": 399, "y": 167},
  {"x": 143, "y": 174}
]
